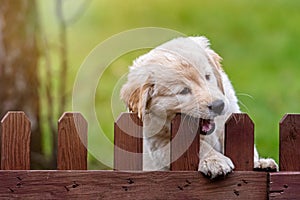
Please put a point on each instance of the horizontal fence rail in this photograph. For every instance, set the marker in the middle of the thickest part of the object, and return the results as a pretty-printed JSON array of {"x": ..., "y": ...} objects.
[
  {"x": 73, "y": 180},
  {"x": 130, "y": 185}
]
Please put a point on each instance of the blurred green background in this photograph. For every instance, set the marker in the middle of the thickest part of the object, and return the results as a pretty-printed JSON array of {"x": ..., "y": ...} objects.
[{"x": 258, "y": 40}]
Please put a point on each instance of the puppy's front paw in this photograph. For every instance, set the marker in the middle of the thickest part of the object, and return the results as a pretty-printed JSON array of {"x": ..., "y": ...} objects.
[
  {"x": 265, "y": 164},
  {"x": 216, "y": 165}
]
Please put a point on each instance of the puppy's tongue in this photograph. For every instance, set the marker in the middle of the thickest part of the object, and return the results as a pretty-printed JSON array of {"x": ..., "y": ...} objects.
[{"x": 207, "y": 126}]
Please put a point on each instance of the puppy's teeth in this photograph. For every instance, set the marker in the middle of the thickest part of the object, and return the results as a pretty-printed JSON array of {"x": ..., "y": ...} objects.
[{"x": 207, "y": 126}]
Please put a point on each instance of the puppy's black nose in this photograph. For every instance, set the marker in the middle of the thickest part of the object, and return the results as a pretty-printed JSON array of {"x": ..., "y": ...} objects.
[{"x": 217, "y": 106}]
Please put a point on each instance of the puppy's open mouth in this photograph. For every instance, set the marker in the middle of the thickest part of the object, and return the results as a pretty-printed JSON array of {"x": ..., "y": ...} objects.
[{"x": 207, "y": 126}]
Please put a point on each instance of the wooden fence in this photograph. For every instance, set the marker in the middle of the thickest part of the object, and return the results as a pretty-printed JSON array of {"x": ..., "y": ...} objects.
[{"x": 73, "y": 180}]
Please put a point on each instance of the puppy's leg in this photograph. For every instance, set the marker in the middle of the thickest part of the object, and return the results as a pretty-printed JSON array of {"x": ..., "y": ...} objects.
[
  {"x": 264, "y": 164},
  {"x": 213, "y": 163}
]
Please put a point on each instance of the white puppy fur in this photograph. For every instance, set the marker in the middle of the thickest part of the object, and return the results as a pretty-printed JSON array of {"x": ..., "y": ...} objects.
[{"x": 183, "y": 75}]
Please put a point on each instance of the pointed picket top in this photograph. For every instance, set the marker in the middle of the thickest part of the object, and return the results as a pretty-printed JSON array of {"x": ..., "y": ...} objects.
[
  {"x": 185, "y": 144},
  {"x": 128, "y": 142},
  {"x": 239, "y": 141},
  {"x": 289, "y": 154},
  {"x": 15, "y": 141},
  {"x": 72, "y": 142},
  {"x": 129, "y": 122}
]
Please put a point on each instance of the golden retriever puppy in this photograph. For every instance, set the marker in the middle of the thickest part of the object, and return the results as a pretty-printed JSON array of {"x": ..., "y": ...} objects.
[{"x": 183, "y": 75}]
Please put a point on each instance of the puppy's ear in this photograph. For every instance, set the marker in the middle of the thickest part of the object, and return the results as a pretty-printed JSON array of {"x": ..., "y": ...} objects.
[
  {"x": 217, "y": 67},
  {"x": 213, "y": 57},
  {"x": 205, "y": 44},
  {"x": 137, "y": 97},
  {"x": 146, "y": 92}
]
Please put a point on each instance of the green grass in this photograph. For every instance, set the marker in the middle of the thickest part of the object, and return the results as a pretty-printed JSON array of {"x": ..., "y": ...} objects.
[{"x": 258, "y": 40}]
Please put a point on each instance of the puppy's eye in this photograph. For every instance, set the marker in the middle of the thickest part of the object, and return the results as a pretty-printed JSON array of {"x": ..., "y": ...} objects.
[
  {"x": 185, "y": 91},
  {"x": 207, "y": 77}
]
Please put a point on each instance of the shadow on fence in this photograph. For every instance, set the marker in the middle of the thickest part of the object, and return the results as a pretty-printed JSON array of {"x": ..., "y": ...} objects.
[{"x": 72, "y": 180}]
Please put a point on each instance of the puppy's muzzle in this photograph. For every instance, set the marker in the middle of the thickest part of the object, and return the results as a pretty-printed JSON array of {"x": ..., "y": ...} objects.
[{"x": 216, "y": 107}]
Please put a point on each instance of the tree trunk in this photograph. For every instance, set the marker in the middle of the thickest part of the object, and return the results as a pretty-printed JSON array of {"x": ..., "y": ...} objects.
[{"x": 19, "y": 82}]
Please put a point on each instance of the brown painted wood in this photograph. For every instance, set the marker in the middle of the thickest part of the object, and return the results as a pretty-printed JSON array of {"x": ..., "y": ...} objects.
[
  {"x": 185, "y": 134},
  {"x": 15, "y": 141},
  {"x": 72, "y": 142},
  {"x": 239, "y": 141},
  {"x": 128, "y": 140},
  {"x": 284, "y": 185},
  {"x": 130, "y": 185},
  {"x": 289, "y": 154}
]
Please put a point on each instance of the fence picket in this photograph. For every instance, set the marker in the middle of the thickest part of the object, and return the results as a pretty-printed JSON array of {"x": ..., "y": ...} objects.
[
  {"x": 289, "y": 154},
  {"x": 239, "y": 141},
  {"x": 128, "y": 140},
  {"x": 185, "y": 144},
  {"x": 72, "y": 138},
  {"x": 15, "y": 141}
]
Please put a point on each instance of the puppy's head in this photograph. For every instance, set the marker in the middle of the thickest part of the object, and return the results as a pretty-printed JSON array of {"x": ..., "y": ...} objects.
[{"x": 180, "y": 76}]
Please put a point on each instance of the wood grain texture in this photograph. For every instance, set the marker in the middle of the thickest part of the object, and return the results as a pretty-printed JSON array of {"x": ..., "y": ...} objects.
[
  {"x": 284, "y": 185},
  {"x": 72, "y": 141},
  {"x": 289, "y": 154},
  {"x": 185, "y": 144},
  {"x": 15, "y": 141},
  {"x": 239, "y": 141},
  {"x": 130, "y": 185},
  {"x": 128, "y": 140}
]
